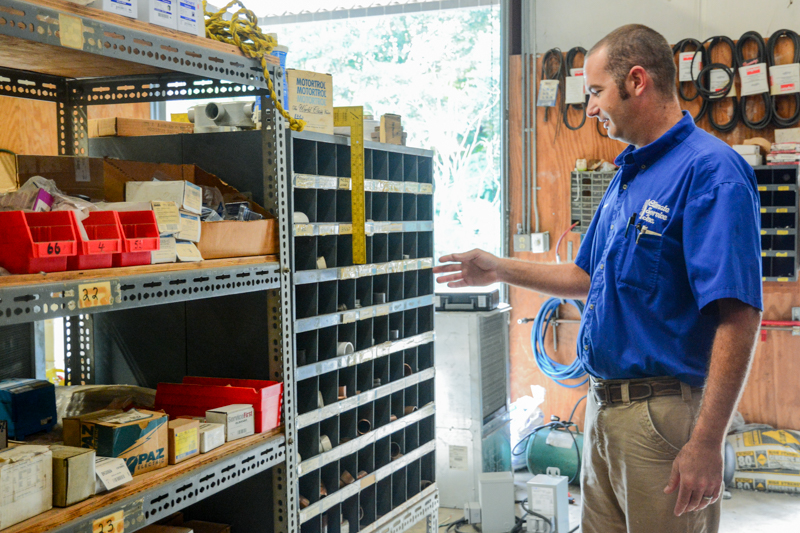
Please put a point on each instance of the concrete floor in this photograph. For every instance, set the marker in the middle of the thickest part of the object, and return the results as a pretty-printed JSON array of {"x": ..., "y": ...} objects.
[{"x": 744, "y": 512}]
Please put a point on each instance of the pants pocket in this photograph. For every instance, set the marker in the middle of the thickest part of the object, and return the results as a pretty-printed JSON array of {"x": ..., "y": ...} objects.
[{"x": 669, "y": 421}]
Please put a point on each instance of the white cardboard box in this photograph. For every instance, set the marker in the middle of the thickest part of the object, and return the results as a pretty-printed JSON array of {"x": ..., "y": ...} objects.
[
  {"x": 126, "y": 8},
  {"x": 753, "y": 159},
  {"x": 788, "y": 135},
  {"x": 186, "y": 195},
  {"x": 211, "y": 436},
  {"x": 189, "y": 227},
  {"x": 238, "y": 419},
  {"x": 190, "y": 17},
  {"x": 746, "y": 149},
  {"x": 166, "y": 252},
  {"x": 73, "y": 474},
  {"x": 159, "y": 12},
  {"x": 26, "y": 483}
]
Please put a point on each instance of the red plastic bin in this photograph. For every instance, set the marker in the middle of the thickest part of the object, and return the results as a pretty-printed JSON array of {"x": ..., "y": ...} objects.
[
  {"x": 139, "y": 238},
  {"x": 197, "y": 395},
  {"x": 105, "y": 239},
  {"x": 37, "y": 242}
]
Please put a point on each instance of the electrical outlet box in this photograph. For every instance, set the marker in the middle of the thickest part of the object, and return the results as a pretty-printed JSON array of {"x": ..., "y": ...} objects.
[
  {"x": 547, "y": 496},
  {"x": 540, "y": 242},
  {"x": 472, "y": 512},
  {"x": 496, "y": 492},
  {"x": 522, "y": 242}
]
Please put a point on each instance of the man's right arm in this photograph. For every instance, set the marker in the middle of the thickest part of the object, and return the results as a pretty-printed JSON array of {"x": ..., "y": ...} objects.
[{"x": 477, "y": 268}]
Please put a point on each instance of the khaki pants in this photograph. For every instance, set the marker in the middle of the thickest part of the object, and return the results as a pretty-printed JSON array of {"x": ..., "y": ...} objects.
[{"x": 627, "y": 460}]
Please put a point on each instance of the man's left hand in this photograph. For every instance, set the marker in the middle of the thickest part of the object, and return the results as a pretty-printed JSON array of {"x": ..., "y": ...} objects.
[{"x": 697, "y": 474}]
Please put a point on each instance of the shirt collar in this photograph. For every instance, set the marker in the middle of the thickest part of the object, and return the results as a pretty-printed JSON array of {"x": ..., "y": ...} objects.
[{"x": 648, "y": 154}]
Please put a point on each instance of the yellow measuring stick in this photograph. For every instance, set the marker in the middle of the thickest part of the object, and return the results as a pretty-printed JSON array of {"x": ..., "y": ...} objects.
[{"x": 353, "y": 117}]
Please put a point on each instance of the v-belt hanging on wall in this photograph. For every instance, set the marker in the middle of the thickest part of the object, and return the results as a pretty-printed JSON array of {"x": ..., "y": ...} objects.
[{"x": 573, "y": 52}]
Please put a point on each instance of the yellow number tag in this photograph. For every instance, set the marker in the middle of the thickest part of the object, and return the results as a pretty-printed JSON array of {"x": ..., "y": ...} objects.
[
  {"x": 113, "y": 523},
  {"x": 94, "y": 294}
]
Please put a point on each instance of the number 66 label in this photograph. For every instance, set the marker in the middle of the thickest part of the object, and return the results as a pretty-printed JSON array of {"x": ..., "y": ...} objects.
[
  {"x": 113, "y": 523},
  {"x": 94, "y": 294}
]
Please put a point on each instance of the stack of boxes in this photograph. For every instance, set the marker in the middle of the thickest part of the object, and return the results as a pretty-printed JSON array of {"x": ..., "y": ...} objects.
[
  {"x": 182, "y": 15},
  {"x": 785, "y": 153}
]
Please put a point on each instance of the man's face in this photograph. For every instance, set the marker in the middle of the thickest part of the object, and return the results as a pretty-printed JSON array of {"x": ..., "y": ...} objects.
[{"x": 605, "y": 101}]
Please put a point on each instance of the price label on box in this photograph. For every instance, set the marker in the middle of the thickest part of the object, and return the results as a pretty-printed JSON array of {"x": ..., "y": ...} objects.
[
  {"x": 112, "y": 523},
  {"x": 95, "y": 294}
]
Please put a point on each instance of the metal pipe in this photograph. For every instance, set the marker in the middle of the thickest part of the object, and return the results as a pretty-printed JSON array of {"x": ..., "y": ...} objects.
[
  {"x": 533, "y": 177},
  {"x": 524, "y": 112}
]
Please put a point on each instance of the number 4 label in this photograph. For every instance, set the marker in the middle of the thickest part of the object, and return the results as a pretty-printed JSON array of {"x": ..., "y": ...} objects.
[{"x": 113, "y": 523}]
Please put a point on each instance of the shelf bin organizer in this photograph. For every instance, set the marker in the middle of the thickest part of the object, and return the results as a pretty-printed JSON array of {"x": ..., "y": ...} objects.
[
  {"x": 139, "y": 238},
  {"x": 37, "y": 242},
  {"x": 197, "y": 395},
  {"x": 104, "y": 239}
]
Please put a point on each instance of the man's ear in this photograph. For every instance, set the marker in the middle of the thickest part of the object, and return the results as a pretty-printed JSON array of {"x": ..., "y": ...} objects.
[{"x": 637, "y": 81}]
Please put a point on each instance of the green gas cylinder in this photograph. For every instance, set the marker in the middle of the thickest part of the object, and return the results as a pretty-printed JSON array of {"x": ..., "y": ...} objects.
[{"x": 551, "y": 448}]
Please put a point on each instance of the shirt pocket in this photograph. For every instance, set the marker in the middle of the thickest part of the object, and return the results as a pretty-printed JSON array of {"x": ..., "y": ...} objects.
[{"x": 639, "y": 262}]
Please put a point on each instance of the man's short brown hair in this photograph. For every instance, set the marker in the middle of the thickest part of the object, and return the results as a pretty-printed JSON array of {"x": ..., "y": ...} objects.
[{"x": 635, "y": 44}]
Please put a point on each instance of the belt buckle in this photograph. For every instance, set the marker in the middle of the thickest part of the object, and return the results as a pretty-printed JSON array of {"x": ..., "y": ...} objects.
[{"x": 606, "y": 389}]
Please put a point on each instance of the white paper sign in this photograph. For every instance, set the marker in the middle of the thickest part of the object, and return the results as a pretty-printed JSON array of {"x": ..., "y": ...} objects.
[
  {"x": 548, "y": 93},
  {"x": 574, "y": 93},
  {"x": 458, "y": 457},
  {"x": 717, "y": 80},
  {"x": 754, "y": 79},
  {"x": 784, "y": 79},
  {"x": 687, "y": 72},
  {"x": 111, "y": 473}
]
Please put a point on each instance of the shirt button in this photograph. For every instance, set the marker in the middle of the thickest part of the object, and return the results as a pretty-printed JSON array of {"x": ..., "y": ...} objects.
[
  {"x": 612, "y": 226},
  {"x": 625, "y": 186},
  {"x": 602, "y": 266},
  {"x": 591, "y": 306},
  {"x": 643, "y": 167},
  {"x": 585, "y": 346}
]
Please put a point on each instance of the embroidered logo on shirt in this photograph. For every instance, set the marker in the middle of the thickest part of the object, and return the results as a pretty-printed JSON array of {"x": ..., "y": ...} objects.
[{"x": 652, "y": 210}]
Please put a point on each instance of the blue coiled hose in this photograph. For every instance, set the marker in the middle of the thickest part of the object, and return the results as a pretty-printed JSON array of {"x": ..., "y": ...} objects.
[{"x": 554, "y": 370}]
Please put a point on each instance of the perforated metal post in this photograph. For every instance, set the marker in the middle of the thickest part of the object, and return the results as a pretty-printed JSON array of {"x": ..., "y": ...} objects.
[{"x": 79, "y": 350}]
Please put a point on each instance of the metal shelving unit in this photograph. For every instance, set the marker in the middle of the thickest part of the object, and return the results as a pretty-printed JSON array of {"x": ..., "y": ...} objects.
[
  {"x": 75, "y": 56},
  {"x": 364, "y": 338},
  {"x": 777, "y": 189}
]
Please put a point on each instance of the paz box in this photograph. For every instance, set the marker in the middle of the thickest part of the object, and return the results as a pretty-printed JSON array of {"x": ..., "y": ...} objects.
[{"x": 138, "y": 436}]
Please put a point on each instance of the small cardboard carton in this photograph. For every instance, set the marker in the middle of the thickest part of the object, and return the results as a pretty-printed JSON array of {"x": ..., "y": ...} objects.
[
  {"x": 138, "y": 436},
  {"x": 26, "y": 483},
  {"x": 189, "y": 227},
  {"x": 310, "y": 96},
  {"x": 211, "y": 436},
  {"x": 234, "y": 238},
  {"x": 183, "y": 440},
  {"x": 73, "y": 474},
  {"x": 28, "y": 405},
  {"x": 238, "y": 419},
  {"x": 186, "y": 195},
  {"x": 165, "y": 252},
  {"x": 126, "y": 8},
  {"x": 391, "y": 131},
  {"x": 135, "y": 127},
  {"x": 766, "y": 449},
  {"x": 159, "y": 12}
]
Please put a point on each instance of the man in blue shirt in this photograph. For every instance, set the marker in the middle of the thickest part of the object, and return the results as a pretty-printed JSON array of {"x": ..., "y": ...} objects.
[{"x": 670, "y": 269}]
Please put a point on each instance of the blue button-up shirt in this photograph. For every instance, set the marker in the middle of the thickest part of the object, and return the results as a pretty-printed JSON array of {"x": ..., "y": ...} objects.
[{"x": 650, "y": 310}]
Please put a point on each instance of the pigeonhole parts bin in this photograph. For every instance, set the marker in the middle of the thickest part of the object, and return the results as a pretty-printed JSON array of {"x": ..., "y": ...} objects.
[
  {"x": 104, "y": 239},
  {"x": 139, "y": 238},
  {"x": 196, "y": 395},
  {"x": 37, "y": 242}
]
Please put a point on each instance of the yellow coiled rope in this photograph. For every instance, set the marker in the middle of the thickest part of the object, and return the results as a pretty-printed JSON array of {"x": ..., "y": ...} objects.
[{"x": 243, "y": 32}]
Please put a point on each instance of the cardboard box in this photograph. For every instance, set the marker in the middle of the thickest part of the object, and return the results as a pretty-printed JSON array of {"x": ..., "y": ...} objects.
[
  {"x": 207, "y": 527},
  {"x": 135, "y": 127},
  {"x": 238, "y": 419},
  {"x": 189, "y": 227},
  {"x": 126, "y": 8},
  {"x": 183, "y": 439},
  {"x": 159, "y": 12},
  {"x": 168, "y": 217},
  {"x": 73, "y": 474},
  {"x": 3, "y": 434},
  {"x": 234, "y": 238},
  {"x": 190, "y": 18},
  {"x": 767, "y": 480},
  {"x": 211, "y": 436},
  {"x": 165, "y": 252},
  {"x": 766, "y": 449},
  {"x": 186, "y": 195},
  {"x": 391, "y": 129},
  {"x": 311, "y": 99},
  {"x": 746, "y": 149},
  {"x": 138, "y": 436},
  {"x": 26, "y": 483},
  {"x": 787, "y": 135},
  {"x": 104, "y": 179},
  {"x": 29, "y": 406}
]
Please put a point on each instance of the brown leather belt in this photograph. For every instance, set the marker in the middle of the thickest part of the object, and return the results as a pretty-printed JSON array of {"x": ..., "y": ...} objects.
[{"x": 611, "y": 391}]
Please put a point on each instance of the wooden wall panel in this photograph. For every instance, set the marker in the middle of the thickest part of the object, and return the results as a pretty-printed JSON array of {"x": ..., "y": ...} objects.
[{"x": 771, "y": 395}]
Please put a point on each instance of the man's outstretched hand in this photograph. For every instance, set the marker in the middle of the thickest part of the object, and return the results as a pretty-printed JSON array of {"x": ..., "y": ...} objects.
[{"x": 475, "y": 268}]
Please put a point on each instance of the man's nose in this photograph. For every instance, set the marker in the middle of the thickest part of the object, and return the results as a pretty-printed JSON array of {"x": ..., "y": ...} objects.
[{"x": 592, "y": 109}]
